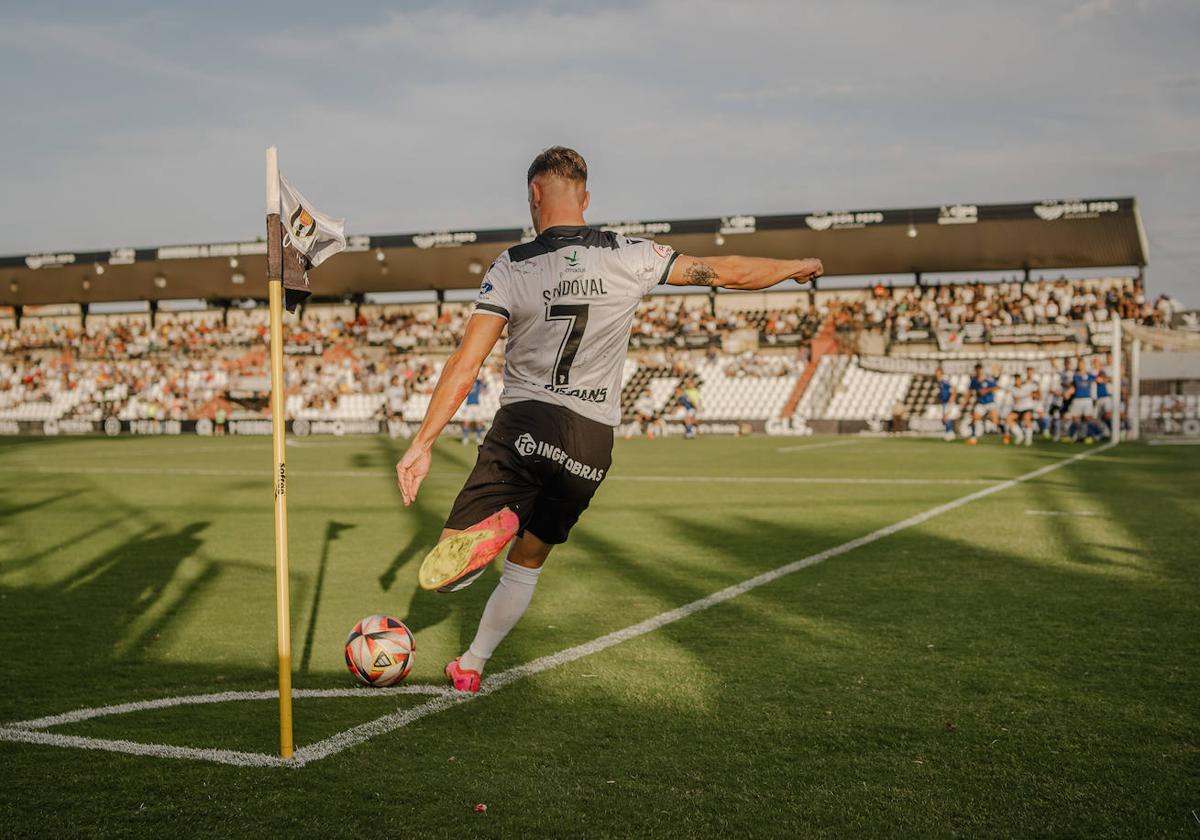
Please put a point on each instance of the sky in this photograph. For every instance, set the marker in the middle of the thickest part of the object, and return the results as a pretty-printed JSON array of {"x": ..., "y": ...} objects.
[{"x": 138, "y": 124}]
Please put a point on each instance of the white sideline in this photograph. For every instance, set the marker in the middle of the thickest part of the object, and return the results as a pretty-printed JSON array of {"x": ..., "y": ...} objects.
[
  {"x": 374, "y": 474},
  {"x": 447, "y": 699},
  {"x": 825, "y": 445},
  {"x": 1059, "y": 513},
  {"x": 796, "y": 479}
]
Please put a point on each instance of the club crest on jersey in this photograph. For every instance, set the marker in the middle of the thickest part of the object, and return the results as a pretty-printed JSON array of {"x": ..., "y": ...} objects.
[{"x": 301, "y": 227}]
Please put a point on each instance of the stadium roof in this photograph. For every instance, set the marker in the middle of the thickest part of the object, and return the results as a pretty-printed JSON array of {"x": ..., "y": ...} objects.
[{"x": 1058, "y": 234}]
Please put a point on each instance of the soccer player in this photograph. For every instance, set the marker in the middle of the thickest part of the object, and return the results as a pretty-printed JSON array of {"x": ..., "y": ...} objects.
[
  {"x": 686, "y": 399},
  {"x": 394, "y": 398},
  {"x": 567, "y": 298},
  {"x": 1083, "y": 410},
  {"x": 983, "y": 388},
  {"x": 1020, "y": 419},
  {"x": 692, "y": 391},
  {"x": 945, "y": 397},
  {"x": 1104, "y": 402},
  {"x": 1003, "y": 404},
  {"x": 1041, "y": 398},
  {"x": 1060, "y": 384},
  {"x": 645, "y": 411},
  {"x": 473, "y": 414}
]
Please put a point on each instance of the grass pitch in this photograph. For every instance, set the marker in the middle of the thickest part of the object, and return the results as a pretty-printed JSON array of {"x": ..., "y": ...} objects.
[{"x": 989, "y": 672}]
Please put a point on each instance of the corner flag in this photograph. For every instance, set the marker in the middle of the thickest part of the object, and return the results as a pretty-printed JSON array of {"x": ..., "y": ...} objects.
[
  {"x": 309, "y": 238},
  {"x": 298, "y": 238}
]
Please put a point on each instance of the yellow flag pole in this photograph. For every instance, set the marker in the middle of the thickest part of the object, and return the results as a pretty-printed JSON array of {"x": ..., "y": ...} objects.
[{"x": 283, "y": 629}]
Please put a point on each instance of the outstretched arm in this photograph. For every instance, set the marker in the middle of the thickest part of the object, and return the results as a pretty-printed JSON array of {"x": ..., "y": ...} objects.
[
  {"x": 452, "y": 387},
  {"x": 745, "y": 273}
]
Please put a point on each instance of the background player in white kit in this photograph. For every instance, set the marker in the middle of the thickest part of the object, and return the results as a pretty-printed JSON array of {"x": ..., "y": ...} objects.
[
  {"x": 568, "y": 299},
  {"x": 645, "y": 414},
  {"x": 1004, "y": 402},
  {"x": 1024, "y": 403},
  {"x": 1041, "y": 418}
]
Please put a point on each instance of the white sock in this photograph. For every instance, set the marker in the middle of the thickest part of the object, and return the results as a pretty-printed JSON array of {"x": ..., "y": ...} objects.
[{"x": 506, "y": 606}]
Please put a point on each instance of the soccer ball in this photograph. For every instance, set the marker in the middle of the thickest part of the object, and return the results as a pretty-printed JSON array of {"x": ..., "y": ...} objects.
[{"x": 379, "y": 650}]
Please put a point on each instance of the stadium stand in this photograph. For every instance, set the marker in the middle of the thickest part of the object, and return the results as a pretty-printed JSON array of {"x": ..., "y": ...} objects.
[{"x": 752, "y": 364}]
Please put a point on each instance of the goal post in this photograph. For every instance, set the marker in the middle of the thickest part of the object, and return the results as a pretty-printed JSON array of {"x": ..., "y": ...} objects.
[{"x": 1116, "y": 385}]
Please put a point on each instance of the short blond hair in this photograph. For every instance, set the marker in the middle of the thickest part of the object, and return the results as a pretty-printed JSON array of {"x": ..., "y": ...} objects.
[{"x": 560, "y": 161}]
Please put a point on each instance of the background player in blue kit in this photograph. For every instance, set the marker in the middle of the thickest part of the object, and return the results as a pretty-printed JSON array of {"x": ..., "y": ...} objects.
[
  {"x": 473, "y": 413},
  {"x": 945, "y": 398},
  {"x": 1083, "y": 410},
  {"x": 983, "y": 388},
  {"x": 1104, "y": 401}
]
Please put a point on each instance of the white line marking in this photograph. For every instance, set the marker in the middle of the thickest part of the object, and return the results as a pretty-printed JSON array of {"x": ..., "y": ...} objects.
[
  {"x": 182, "y": 471},
  {"x": 234, "y": 757},
  {"x": 1185, "y": 442},
  {"x": 448, "y": 699},
  {"x": 388, "y": 723},
  {"x": 1059, "y": 513},
  {"x": 221, "y": 697},
  {"x": 797, "y": 479},
  {"x": 377, "y": 474},
  {"x": 827, "y": 445}
]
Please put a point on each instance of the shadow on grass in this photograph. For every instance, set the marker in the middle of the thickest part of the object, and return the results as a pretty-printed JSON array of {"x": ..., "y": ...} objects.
[
  {"x": 92, "y": 626},
  {"x": 425, "y": 609},
  {"x": 332, "y": 530}
]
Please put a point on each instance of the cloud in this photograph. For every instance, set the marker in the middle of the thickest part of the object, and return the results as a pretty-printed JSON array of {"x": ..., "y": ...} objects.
[
  {"x": 1085, "y": 11},
  {"x": 151, "y": 126}
]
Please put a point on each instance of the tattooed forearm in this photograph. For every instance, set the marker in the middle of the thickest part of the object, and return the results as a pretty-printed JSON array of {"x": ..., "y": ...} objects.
[{"x": 699, "y": 274}]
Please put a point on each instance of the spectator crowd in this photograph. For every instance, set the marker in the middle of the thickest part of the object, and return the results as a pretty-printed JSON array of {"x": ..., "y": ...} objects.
[{"x": 185, "y": 367}]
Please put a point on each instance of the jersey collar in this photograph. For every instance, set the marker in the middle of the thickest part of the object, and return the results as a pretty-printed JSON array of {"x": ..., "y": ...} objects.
[{"x": 565, "y": 232}]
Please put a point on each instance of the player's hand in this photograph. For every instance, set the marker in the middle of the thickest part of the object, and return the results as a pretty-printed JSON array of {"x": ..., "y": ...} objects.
[
  {"x": 411, "y": 471},
  {"x": 808, "y": 269}
]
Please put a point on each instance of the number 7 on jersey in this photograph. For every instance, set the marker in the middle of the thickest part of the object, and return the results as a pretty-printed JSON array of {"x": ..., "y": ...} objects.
[{"x": 577, "y": 316}]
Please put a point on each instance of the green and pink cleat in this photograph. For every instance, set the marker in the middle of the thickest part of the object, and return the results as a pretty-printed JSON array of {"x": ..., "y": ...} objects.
[{"x": 458, "y": 560}]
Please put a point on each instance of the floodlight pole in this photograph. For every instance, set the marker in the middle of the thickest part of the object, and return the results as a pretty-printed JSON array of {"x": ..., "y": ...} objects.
[
  {"x": 283, "y": 628},
  {"x": 1135, "y": 388}
]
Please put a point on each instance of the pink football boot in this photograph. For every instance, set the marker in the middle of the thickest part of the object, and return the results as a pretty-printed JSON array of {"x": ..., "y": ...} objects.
[{"x": 461, "y": 678}]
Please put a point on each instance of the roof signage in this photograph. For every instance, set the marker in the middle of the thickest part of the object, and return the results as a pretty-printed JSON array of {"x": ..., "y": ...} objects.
[{"x": 1052, "y": 211}]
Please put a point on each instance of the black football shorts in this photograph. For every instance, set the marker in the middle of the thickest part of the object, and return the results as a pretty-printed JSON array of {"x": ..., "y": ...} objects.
[{"x": 542, "y": 461}]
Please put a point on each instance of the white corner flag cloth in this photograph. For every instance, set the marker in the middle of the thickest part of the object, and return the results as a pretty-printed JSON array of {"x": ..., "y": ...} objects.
[{"x": 310, "y": 232}]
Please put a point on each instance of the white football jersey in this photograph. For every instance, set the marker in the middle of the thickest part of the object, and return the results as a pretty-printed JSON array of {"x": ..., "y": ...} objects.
[
  {"x": 569, "y": 297},
  {"x": 1023, "y": 396}
]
